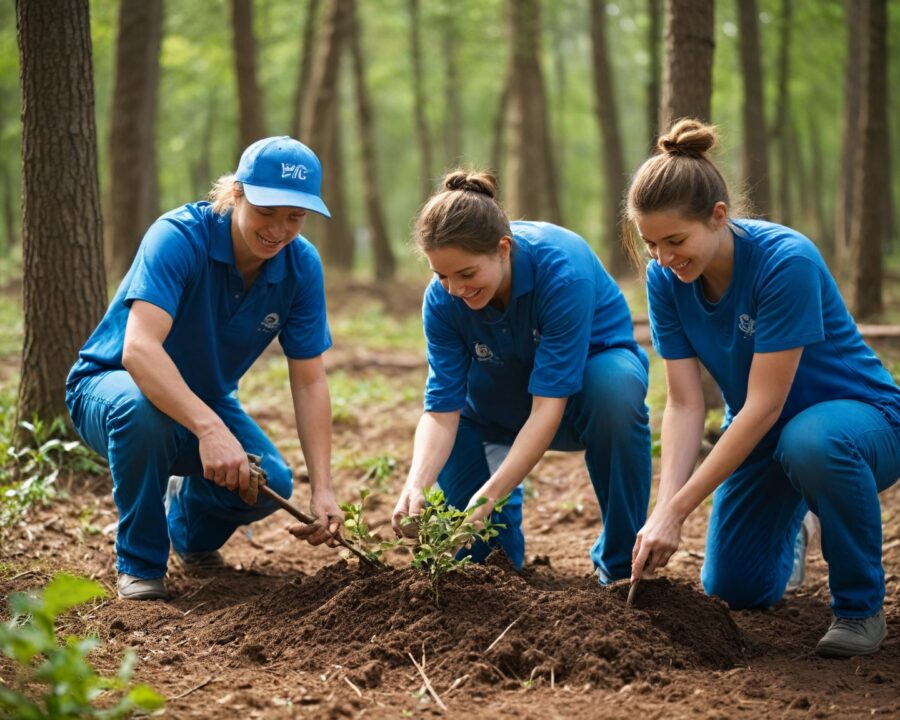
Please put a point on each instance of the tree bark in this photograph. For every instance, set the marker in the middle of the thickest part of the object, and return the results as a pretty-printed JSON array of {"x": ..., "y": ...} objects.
[
  {"x": 867, "y": 228},
  {"x": 64, "y": 286},
  {"x": 824, "y": 234},
  {"x": 613, "y": 160},
  {"x": 755, "y": 148},
  {"x": 453, "y": 139},
  {"x": 133, "y": 196},
  {"x": 382, "y": 254},
  {"x": 201, "y": 171},
  {"x": 251, "y": 121},
  {"x": 687, "y": 70},
  {"x": 781, "y": 129},
  {"x": 423, "y": 135},
  {"x": 654, "y": 40},
  {"x": 304, "y": 67},
  {"x": 846, "y": 180}
]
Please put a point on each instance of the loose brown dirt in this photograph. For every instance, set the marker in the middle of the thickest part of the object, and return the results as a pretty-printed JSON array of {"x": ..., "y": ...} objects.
[{"x": 288, "y": 630}]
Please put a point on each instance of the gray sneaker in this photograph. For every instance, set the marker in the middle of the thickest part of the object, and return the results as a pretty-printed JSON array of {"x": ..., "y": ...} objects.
[
  {"x": 199, "y": 560},
  {"x": 135, "y": 588},
  {"x": 853, "y": 636}
]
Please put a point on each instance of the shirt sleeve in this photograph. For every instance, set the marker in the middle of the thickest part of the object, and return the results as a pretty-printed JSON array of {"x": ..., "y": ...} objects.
[
  {"x": 305, "y": 333},
  {"x": 448, "y": 358},
  {"x": 789, "y": 306},
  {"x": 565, "y": 316},
  {"x": 167, "y": 261},
  {"x": 666, "y": 330}
]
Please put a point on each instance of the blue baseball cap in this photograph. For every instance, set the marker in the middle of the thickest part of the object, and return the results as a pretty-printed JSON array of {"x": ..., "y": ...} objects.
[{"x": 278, "y": 171}]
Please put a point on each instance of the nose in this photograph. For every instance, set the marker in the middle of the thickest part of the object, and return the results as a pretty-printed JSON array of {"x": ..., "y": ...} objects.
[{"x": 665, "y": 257}]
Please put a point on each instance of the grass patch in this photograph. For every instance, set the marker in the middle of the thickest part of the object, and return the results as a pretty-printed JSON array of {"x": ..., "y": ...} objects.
[{"x": 372, "y": 327}]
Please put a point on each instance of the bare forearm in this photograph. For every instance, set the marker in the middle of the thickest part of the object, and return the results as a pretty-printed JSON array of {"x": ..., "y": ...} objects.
[
  {"x": 682, "y": 431},
  {"x": 435, "y": 436},
  {"x": 312, "y": 410}
]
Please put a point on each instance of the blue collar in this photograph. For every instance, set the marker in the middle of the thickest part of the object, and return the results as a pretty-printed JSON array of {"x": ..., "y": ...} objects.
[
  {"x": 221, "y": 249},
  {"x": 522, "y": 271}
]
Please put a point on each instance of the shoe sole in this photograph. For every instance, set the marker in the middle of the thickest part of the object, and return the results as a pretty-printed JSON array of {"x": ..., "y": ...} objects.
[{"x": 837, "y": 650}]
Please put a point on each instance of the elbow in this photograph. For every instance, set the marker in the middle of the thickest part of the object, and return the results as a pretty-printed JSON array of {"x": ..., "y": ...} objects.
[{"x": 132, "y": 354}]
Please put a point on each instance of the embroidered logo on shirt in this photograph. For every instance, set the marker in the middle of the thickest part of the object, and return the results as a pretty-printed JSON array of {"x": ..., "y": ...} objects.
[
  {"x": 535, "y": 335},
  {"x": 747, "y": 325},
  {"x": 484, "y": 353},
  {"x": 269, "y": 323}
]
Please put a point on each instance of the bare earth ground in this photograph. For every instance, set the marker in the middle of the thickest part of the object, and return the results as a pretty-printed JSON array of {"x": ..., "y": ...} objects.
[{"x": 293, "y": 631}]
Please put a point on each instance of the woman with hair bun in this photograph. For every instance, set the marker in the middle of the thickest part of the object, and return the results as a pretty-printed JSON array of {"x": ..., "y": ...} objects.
[
  {"x": 530, "y": 346},
  {"x": 812, "y": 417}
]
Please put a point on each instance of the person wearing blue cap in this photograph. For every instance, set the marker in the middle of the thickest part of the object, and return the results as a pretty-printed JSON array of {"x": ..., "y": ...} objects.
[
  {"x": 812, "y": 416},
  {"x": 154, "y": 387},
  {"x": 530, "y": 346}
]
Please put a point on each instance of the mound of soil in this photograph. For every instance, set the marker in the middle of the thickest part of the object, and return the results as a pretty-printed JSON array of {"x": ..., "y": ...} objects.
[{"x": 368, "y": 623}]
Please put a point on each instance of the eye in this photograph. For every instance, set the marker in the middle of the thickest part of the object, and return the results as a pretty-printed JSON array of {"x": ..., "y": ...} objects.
[
  {"x": 676, "y": 243},
  {"x": 467, "y": 275}
]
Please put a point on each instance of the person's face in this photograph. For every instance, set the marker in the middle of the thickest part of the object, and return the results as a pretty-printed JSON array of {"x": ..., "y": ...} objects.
[
  {"x": 475, "y": 279},
  {"x": 263, "y": 231},
  {"x": 684, "y": 245}
]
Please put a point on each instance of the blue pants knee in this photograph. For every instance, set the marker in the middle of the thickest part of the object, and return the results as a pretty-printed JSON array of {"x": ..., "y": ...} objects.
[{"x": 144, "y": 446}]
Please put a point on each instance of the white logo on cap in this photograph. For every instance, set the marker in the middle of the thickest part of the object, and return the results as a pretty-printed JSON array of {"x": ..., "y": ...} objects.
[{"x": 297, "y": 172}]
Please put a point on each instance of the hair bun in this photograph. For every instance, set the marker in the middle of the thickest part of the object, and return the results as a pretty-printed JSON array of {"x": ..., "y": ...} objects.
[
  {"x": 689, "y": 138},
  {"x": 478, "y": 182}
]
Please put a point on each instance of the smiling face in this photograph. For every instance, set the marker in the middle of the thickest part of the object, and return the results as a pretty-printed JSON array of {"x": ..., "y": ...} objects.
[
  {"x": 259, "y": 233},
  {"x": 688, "y": 247},
  {"x": 474, "y": 278}
]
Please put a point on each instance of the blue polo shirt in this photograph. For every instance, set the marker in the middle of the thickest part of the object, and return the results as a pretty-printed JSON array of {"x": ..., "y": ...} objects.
[
  {"x": 563, "y": 309},
  {"x": 781, "y": 296},
  {"x": 185, "y": 265}
]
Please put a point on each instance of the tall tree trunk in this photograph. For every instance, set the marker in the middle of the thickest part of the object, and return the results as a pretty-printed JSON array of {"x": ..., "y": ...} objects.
[
  {"x": 824, "y": 234},
  {"x": 453, "y": 138},
  {"x": 133, "y": 196},
  {"x": 498, "y": 146},
  {"x": 867, "y": 229},
  {"x": 321, "y": 124},
  {"x": 201, "y": 171},
  {"x": 755, "y": 150},
  {"x": 846, "y": 179},
  {"x": 10, "y": 236},
  {"x": 530, "y": 176},
  {"x": 251, "y": 121},
  {"x": 423, "y": 135},
  {"x": 780, "y": 130},
  {"x": 613, "y": 160},
  {"x": 687, "y": 70},
  {"x": 385, "y": 263},
  {"x": 304, "y": 67},
  {"x": 64, "y": 286},
  {"x": 654, "y": 42}
]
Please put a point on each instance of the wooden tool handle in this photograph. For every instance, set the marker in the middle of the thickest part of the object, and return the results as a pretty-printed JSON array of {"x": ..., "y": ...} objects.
[{"x": 285, "y": 505}]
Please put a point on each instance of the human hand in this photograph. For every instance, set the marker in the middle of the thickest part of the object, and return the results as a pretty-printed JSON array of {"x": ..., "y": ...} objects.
[
  {"x": 225, "y": 463},
  {"x": 655, "y": 542},
  {"x": 409, "y": 505},
  {"x": 480, "y": 512},
  {"x": 329, "y": 518}
]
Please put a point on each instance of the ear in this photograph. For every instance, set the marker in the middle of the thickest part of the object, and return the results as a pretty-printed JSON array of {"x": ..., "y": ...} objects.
[
  {"x": 719, "y": 215},
  {"x": 237, "y": 191},
  {"x": 504, "y": 247}
]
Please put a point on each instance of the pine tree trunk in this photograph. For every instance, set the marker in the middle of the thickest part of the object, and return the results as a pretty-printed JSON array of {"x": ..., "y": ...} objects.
[
  {"x": 251, "y": 121},
  {"x": 613, "y": 160},
  {"x": 383, "y": 256},
  {"x": 133, "y": 197},
  {"x": 304, "y": 68},
  {"x": 687, "y": 70},
  {"x": 755, "y": 149},
  {"x": 654, "y": 41},
  {"x": 780, "y": 130},
  {"x": 498, "y": 145},
  {"x": 868, "y": 224},
  {"x": 453, "y": 139},
  {"x": 201, "y": 173},
  {"x": 824, "y": 235},
  {"x": 64, "y": 286},
  {"x": 846, "y": 179},
  {"x": 423, "y": 135},
  {"x": 10, "y": 236}
]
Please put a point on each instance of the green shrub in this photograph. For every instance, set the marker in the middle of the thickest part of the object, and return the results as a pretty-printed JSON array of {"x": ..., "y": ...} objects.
[
  {"x": 368, "y": 543},
  {"x": 72, "y": 685}
]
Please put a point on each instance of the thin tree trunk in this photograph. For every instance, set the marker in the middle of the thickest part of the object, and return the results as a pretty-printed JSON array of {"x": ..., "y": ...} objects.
[
  {"x": 453, "y": 138},
  {"x": 383, "y": 256},
  {"x": 423, "y": 135},
  {"x": 64, "y": 286},
  {"x": 780, "y": 130},
  {"x": 498, "y": 146},
  {"x": 654, "y": 42},
  {"x": 846, "y": 179},
  {"x": 687, "y": 70},
  {"x": 868, "y": 224},
  {"x": 133, "y": 197},
  {"x": 613, "y": 160},
  {"x": 755, "y": 148},
  {"x": 304, "y": 67},
  {"x": 251, "y": 121},
  {"x": 824, "y": 234},
  {"x": 201, "y": 177}
]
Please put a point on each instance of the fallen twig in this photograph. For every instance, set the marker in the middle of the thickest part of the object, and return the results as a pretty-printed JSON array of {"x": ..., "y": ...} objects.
[
  {"x": 500, "y": 636},
  {"x": 427, "y": 683},
  {"x": 196, "y": 687},
  {"x": 454, "y": 686},
  {"x": 350, "y": 683}
]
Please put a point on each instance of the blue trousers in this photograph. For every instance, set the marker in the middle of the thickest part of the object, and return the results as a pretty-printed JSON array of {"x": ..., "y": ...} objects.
[
  {"x": 834, "y": 458},
  {"x": 144, "y": 447},
  {"x": 609, "y": 420}
]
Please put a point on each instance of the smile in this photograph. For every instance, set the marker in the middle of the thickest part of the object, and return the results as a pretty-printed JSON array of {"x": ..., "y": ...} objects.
[
  {"x": 681, "y": 266},
  {"x": 268, "y": 243}
]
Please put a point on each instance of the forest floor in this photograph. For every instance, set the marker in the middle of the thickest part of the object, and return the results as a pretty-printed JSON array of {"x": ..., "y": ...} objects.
[{"x": 288, "y": 630}]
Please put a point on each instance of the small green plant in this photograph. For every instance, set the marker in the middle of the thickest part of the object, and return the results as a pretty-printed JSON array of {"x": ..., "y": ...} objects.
[
  {"x": 368, "y": 543},
  {"x": 72, "y": 685},
  {"x": 443, "y": 531}
]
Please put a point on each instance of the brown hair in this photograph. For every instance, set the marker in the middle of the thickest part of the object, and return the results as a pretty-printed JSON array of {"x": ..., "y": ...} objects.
[
  {"x": 222, "y": 193},
  {"x": 464, "y": 212},
  {"x": 679, "y": 176}
]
